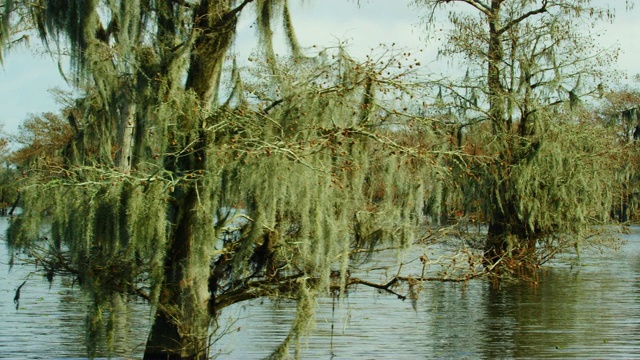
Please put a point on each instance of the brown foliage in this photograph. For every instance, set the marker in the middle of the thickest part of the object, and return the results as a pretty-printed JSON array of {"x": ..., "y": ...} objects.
[{"x": 42, "y": 137}]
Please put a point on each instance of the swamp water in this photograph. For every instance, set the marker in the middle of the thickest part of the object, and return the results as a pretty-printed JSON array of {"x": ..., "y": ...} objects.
[{"x": 589, "y": 311}]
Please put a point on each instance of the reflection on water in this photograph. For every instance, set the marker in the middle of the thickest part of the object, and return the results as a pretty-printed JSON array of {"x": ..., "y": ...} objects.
[
  {"x": 590, "y": 311},
  {"x": 50, "y": 320}
]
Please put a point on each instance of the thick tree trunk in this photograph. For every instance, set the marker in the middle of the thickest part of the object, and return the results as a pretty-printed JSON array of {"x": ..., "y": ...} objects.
[
  {"x": 510, "y": 239},
  {"x": 180, "y": 329},
  {"x": 495, "y": 243},
  {"x": 181, "y": 326},
  {"x": 495, "y": 246}
]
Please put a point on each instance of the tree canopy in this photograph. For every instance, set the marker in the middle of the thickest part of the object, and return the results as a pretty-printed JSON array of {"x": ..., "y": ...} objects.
[
  {"x": 529, "y": 65},
  {"x": 196, "y": 185}
]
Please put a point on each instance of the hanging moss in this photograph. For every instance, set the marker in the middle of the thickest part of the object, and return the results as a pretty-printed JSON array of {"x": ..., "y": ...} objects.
[{"x": 273, "y": 194}]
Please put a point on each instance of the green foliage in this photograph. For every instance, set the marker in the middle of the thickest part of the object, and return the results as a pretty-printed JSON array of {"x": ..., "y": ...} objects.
[
  {"x": 563, "y": 183},
  {"x": 618, "y": 110},
  {"x": 295, "y": 183},
  {"x": 542, "y": 170}
]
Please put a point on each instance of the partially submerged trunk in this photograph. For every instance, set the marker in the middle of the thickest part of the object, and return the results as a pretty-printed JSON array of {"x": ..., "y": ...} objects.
[
  {"x": 495, "y": 245},
  {"x": 509, "y": 242},
  {"x": 181, "y": 324},
  {"x": 499, "y": 244}
]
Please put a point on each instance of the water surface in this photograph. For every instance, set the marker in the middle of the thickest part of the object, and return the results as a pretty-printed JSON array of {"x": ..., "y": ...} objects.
[{"x": 586, "y": 311}]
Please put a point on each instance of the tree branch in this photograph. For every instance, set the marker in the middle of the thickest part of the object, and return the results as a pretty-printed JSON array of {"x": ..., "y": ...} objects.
[
  {"x": 240, "y": 7},
  {"x": 271, "y": 106},
  {"x": 253, "y": 290},
  {"x": 385, "y": 287},
  {"x": 480, "y": 6},
  {"x": 523, "y": 17},
  {"x": 484, "y": 8}
]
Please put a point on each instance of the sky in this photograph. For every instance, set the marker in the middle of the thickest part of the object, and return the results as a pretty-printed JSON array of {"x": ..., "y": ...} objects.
[{"x": 26, "y": 78}]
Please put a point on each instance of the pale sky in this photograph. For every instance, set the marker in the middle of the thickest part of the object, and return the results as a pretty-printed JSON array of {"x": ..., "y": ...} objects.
[{"x": 26, "y": 78}]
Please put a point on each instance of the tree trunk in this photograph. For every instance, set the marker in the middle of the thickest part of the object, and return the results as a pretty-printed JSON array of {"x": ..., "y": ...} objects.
[
  {"x": 15, "y": 205},
  {"x": 495, "y": 245},
  {"x": 126, "y": 127},
  {"x": 509, "y": 237},
  {"x": 181, "y": 326},
  {"x": 180, "y": 329}
]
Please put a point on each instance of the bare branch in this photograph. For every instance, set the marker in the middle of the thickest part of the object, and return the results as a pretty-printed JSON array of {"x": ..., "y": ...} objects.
[{"x": 518, "y": 20}]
